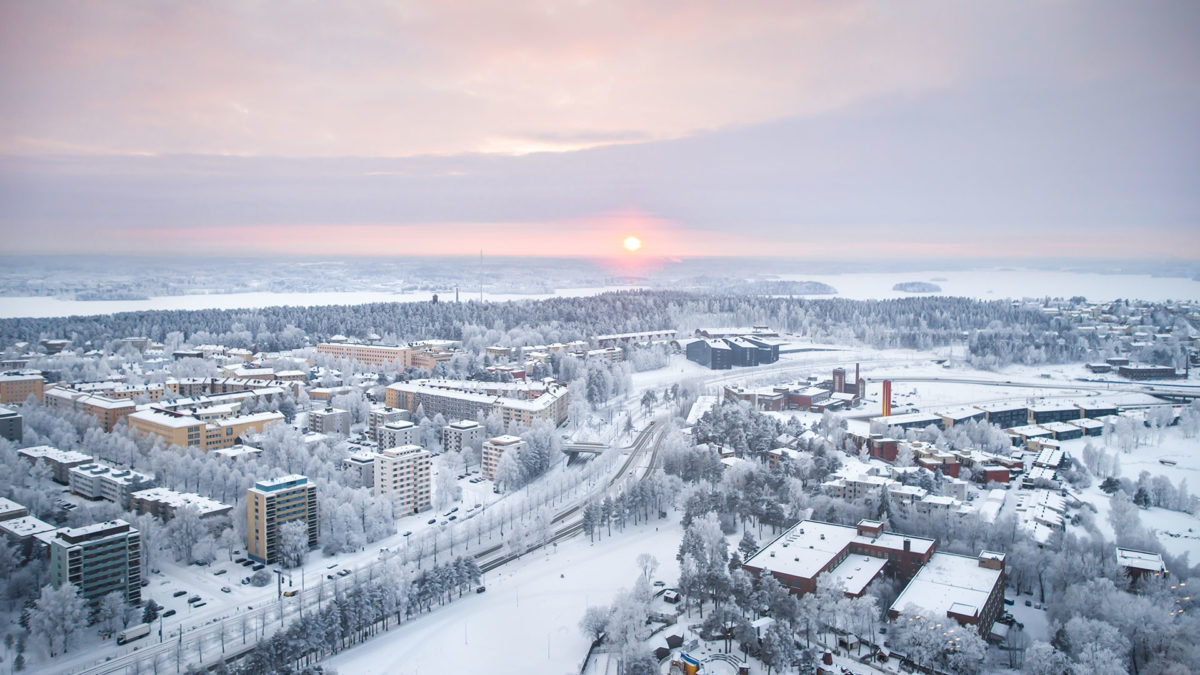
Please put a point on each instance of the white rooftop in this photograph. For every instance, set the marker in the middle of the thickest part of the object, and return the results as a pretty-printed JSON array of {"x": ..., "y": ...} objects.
[
  {"x": 948, "y": 582},
  {"x": 1140, "y": 560}
]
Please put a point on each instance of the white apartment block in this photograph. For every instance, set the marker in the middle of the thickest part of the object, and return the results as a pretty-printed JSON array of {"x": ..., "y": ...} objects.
[
  {"x": 396, "y": 434},
  {"x": 404, "y": 474},
  {"x": 494, "y": 448},
  {"x": 96, "y": 481},
  {"x": 461, "y": 434}
]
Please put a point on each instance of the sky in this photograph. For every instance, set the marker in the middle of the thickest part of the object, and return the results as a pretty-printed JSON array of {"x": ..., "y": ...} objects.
[{"x": 832, "y": 130}]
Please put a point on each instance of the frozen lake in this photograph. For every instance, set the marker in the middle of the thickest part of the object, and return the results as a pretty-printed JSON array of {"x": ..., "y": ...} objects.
[
  {"x": 993, "y": 284},
  {"x": 11, "y": 307},
  {"x": 987, "y": 284}
]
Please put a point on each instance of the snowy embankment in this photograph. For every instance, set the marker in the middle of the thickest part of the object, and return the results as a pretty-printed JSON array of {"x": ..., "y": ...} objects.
[{"x": 528, "y": 620}]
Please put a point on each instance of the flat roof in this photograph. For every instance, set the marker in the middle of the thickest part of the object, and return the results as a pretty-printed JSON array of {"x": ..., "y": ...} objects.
[
  {"x": 949, "y": 583},
  {"x": 856, "y": 571},
  {"x": 1140, "y": 560},
  {"x": 26, "y": 526},
  {"x": 270, "y": 485},
  {"x": 54, "y": 454},
  {"x": 175, "y": 499}
]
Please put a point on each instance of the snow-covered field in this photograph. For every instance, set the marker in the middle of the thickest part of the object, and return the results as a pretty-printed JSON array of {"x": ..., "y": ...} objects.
[{"x": 528, "y": 620}]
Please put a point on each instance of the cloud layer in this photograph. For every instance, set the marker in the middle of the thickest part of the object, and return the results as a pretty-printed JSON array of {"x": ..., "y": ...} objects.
[{"x": 921, "y": 128}]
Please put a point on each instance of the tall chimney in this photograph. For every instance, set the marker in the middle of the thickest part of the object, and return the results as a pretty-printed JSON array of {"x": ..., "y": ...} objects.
[{"x": 887, "y": 398}]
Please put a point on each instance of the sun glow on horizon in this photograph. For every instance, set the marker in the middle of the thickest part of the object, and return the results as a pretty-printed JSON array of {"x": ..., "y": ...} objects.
[{"x": 632, "y": 243}]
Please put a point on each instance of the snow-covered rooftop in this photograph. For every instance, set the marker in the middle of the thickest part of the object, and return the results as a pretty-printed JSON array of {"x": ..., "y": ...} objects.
[
  {"x": 949, "y": 583},
  {"x": 1140, "y": 560}
]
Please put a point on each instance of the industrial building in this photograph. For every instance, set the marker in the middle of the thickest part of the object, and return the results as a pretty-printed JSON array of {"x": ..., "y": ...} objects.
[
  {"x": 853, "y": 555},
  {"x": 968, "y": 589},
  {"x": 715, "y": 354}
]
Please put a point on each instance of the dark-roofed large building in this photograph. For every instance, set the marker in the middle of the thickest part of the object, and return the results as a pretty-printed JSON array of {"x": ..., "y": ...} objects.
[{"x": 711, "y": 353}]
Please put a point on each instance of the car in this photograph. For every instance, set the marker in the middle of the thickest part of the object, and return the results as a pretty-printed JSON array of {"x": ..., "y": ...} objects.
[
  {"x": 258, "y": 566},
  {"x": 245, "y": 581},
  {"x": 219, "y": 573},
  {"x": 154, "y": 570},
  {"x": 193, "y": 599},
  {"x": 660, "y": 584},
  {"x": 179, "y": 594},
  {"x": 239, "y": 561},
  {"x": 1037, "y": 605},
  {"x": 344, "y": 573},
  {"x": 290, "y": 594},
  {"x": 169, "y": 612},
  {"x": 248, "y": 563},
  {"x": 481, "y": 589},
  {"x": 1029, "y": 603},
  {"x": 331, "y": 566},
  {"x": 329, "y": 576},
  {"x": 1010, "y": 602},
  {"x": 431, "y": 521},
  {"x": 226, "y": 589},
  {"x": 200, "y": 604},
  {"x": 145, "y": 583},
  {"x": 452, "y": 518},
  {"x": 408, "y": 533}
]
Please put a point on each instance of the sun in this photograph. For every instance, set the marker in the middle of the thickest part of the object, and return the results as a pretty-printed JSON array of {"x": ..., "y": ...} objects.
[{"x": 632, "y": 243}]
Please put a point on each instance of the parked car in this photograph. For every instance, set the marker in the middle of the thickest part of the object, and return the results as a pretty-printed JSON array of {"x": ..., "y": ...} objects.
[
  {"x": 1029, "y": 603},
  {"x": 219, "y": 573},
  {"x": 226, "y": 589},
  {"x": 331, "y": 566},
  {"x": 179, "y": 594},
  {"x": 481, "y": 589},
  {"x": 200, "y": 604},
  {"x": 258, "y": 566},
  {"x": 193, "y": 599},
  {"x": 344, "y": 573},
  {"x": 660, "y": 583},
  {"x": 169, "y": 612},
  {"x": 431, "y": 521}
]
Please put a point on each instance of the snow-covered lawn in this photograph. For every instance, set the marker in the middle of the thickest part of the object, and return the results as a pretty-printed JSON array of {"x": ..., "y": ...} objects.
[{"x": 528, "y": 620}]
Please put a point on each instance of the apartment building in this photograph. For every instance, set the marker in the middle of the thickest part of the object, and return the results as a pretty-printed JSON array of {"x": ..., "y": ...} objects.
[
  {"x": 164, "y": 504},
  {"x": 403, "y": 474},
  {"x": 459, "y": 399},
  {"x": 461, "y": 434},
  {"x": 361, "y": 464},
  {"x": 107, "y": 410},
  {"x": 98, "y": 559},
  {"x": 16, "y": 387},
  {"x": 395, "y": 434},
  {"x": 12, "y": 425},
  {"x": 329, "y": 420},
  {"x": 379, "y": 417},
  {"x": 371, "y": 355},
  {"x": 270, "y": 504},
  {"x": 60, "y": 461},
  {"x": 186, "y": 429},
  {"x": 96, "y": 481},
  {"x": 494, "y": 448}
]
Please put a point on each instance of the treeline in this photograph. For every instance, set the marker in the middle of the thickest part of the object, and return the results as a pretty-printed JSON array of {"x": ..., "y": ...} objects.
[
  {"x": 999, "y": 332},
  {"x": 359, "y": 613}
]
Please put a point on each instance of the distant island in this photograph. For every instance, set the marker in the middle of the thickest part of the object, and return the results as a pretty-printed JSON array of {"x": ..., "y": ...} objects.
[
  {"x": 917, "y": 287},
  {"x": 779, "y": 288}
]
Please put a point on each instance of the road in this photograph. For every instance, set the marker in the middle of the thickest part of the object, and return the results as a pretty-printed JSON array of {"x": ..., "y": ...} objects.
[{"x": 206, "y": 639}]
